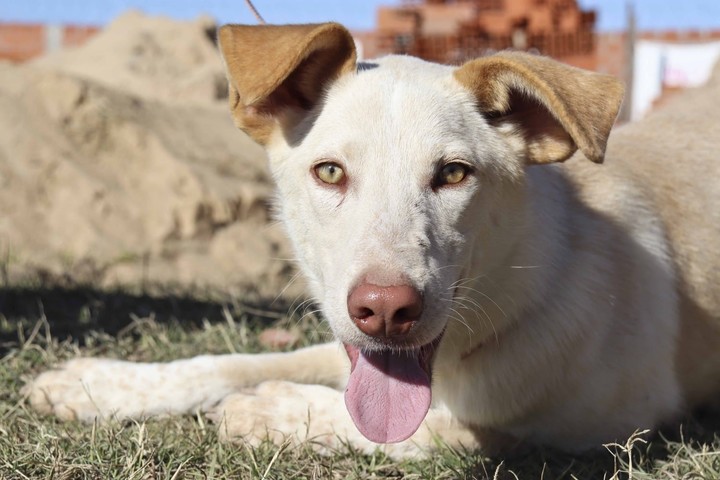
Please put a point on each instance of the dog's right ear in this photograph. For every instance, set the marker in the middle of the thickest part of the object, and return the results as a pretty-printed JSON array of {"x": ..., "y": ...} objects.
[{"x": 277, "y": 72}]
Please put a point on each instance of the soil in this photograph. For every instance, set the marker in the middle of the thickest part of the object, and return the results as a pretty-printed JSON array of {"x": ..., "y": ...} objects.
[{"x": 120, "y": 165}]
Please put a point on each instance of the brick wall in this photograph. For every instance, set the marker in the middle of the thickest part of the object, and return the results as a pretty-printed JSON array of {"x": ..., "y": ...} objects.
[
  {"x": 20, "y": 42},
  {"x": 75, "y": 35},
  {"x": 450, "y": 31}
]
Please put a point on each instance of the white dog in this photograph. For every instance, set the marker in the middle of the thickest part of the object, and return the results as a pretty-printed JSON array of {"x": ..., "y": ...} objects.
[{"x": 567, "y": 304}]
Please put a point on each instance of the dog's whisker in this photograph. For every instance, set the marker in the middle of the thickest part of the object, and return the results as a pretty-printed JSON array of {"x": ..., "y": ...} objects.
[
  {"x": 487, "y": 297},
  {"x": 443, "y": 267},
  {"x": 312, "y": 313},
  {"x": 301, "y": 307},
  {"x": 458, "y": 316},
  {"x": 466, "y": 280},
  {"x": 285, "y": 259},
  {"x": 292, "y": 309},
  {"x": 462, "y": 299},
  {"x": 477, "y": 311},
  {"x": 289, "y": 283}
]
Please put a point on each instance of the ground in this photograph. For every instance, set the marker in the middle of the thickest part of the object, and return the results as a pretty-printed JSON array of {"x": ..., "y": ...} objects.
[{"x": 40, "y": 326}]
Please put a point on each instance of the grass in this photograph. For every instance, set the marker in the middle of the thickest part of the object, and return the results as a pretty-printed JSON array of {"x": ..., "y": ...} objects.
[{"x": 40, "y": 327}]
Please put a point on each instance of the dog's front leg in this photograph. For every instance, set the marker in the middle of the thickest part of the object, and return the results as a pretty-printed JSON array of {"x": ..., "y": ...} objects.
[
  {"x": 91, "y": 388},
  {"x": 282, "y": 412}
]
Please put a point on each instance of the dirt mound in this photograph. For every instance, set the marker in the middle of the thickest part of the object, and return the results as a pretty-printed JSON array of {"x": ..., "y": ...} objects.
[
  {"x": 715, "y": 76},
  {"x": 104, "y": 181},
  {"x": 151, "y": 57}
]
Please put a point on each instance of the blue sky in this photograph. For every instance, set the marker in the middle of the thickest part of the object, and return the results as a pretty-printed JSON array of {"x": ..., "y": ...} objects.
[{"x": 358, "y": 14}]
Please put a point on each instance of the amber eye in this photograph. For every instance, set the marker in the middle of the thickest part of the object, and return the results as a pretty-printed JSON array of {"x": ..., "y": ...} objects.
[
  {"x": 329, "y": 172},
  {"x": 451, "y": 174}
]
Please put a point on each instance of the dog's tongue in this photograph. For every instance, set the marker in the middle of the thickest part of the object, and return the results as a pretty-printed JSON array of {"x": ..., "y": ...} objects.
[{"x": 388, "y": 395}]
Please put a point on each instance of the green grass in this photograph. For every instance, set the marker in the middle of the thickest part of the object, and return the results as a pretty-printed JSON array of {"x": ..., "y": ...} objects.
[{"x": 40, "y": 327}]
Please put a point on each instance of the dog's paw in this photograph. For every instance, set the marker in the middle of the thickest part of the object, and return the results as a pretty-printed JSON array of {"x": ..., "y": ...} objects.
[
  {"x": 284, "y": 412},
  {"x": 90, "y": 388}
]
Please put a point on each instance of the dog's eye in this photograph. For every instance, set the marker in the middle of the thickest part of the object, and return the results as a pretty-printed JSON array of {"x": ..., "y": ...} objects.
[
  {"x": 451, "y": 174},
  {"x": 329, "y": 172}
]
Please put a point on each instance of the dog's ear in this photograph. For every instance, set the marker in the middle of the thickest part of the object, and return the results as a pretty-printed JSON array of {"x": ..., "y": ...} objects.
[
  {"x": 556, "y": 108},
  {"x": 277, "y": 72}
]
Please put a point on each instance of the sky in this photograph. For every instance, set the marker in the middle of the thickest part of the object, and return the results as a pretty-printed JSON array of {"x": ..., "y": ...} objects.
[{"x": 355, "y": 14}]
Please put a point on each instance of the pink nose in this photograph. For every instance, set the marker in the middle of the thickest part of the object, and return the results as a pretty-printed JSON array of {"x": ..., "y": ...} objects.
[{"x": 384, "y": 311}]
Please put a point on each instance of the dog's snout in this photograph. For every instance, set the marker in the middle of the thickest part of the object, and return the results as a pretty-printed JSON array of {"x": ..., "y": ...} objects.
[{"x": 388, "y": 311}]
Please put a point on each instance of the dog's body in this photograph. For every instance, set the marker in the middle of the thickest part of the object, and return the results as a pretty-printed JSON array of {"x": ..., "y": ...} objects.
[{"x": 567, "y": 305}]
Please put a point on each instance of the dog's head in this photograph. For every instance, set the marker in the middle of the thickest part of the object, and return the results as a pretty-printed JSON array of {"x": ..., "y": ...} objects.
[{"x": 394, "y": 176}]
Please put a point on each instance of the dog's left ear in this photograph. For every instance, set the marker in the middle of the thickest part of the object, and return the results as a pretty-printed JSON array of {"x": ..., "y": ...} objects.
[
  {"x": 556, "y": 108},
  {"x": 278, "y": 73}
]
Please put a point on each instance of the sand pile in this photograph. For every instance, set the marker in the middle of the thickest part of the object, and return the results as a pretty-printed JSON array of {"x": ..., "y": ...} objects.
[
  {"x": 151, "y": 57},
  {"x": 714, "y": 81},
  {"x": 117, "y": 172}
]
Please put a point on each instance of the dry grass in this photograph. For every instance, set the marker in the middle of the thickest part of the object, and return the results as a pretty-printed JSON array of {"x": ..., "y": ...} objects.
[{"x": 40, "y": 327}]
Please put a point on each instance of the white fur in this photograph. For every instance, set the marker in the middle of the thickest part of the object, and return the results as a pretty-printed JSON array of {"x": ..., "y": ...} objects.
[{"x": 557, "y": 297}]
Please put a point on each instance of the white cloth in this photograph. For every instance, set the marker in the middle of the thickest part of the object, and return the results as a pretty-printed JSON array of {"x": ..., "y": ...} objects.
[{"x": 660, "y": 64}]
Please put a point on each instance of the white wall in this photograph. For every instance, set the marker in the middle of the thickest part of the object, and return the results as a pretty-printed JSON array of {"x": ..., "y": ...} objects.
[{"x": 670, "y": 64}]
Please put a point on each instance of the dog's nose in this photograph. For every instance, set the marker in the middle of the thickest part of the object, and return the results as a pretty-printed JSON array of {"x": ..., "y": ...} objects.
[{"x": 384, "y": 311}]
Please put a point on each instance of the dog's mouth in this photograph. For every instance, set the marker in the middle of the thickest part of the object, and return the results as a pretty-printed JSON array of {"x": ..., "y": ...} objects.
[{"x": 388, "y": 393}]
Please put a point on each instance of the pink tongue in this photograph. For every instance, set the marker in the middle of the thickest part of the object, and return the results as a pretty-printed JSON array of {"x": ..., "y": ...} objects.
[{"x": 388, "y": 395}]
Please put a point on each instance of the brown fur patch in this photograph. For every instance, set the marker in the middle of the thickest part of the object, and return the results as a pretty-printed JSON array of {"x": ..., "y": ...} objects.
[
  {"x": 304, "y": 58},
  {"x": 558, "y": 108}
]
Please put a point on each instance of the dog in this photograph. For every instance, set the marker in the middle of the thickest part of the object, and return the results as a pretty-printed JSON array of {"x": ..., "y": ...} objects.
[{"x": 489, "y": 284}]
